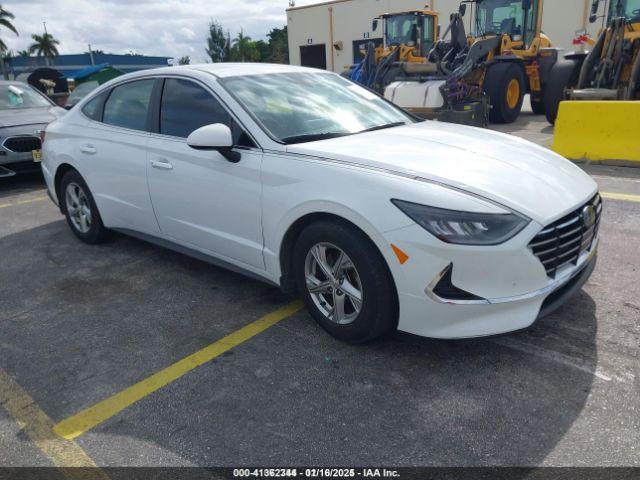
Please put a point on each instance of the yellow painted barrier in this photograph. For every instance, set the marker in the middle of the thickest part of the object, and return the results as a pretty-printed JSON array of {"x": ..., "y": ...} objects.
[{"x": 598, "y": 130}]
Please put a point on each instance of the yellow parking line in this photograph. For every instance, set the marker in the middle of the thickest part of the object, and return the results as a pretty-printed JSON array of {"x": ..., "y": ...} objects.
[
  {"x": 22, "y": 202},
  {"x": 87, "y": 419},
  {"x": 625, "y": 197},
  {"x": 39, "y": 428}
]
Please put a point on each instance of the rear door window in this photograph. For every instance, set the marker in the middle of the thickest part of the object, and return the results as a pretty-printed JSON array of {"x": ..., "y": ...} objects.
[{"x": 128, "y": 105}]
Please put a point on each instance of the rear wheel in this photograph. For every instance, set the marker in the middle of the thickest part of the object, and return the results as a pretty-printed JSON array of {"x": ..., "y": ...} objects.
[
  {"x": 504, "y": 84},
  {"x": 80, "y": 209},
  {"x": 345, "y": 282},
  {"x": 563, "y": 75}
]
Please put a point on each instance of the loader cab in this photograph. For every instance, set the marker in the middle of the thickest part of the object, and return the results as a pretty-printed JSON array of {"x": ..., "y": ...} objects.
[
  {"x": 629, "y": 9},
  {"x": 518, "y": 19},
  {"x": 417, "y": 29}
]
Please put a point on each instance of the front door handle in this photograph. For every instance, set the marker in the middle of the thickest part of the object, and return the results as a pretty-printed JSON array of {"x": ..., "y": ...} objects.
[
  {"x": 87, "y": 148},
  {"x": 162, "y": 164}
]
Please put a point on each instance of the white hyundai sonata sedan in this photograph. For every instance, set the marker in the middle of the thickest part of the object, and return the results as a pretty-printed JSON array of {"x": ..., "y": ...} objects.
[{"x": 303, "y": 179}]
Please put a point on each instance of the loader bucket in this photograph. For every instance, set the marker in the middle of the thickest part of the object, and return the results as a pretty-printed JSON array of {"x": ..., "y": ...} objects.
[{"x": 598, "y": 130}]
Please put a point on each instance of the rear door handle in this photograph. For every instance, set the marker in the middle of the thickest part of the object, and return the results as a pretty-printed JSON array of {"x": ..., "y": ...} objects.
[
  {"x": 162, "y": 164},
  {"x": 90, "y": 149}
]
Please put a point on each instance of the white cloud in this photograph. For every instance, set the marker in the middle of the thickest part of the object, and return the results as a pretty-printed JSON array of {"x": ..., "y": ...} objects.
[{"x": 170, "y": 28}]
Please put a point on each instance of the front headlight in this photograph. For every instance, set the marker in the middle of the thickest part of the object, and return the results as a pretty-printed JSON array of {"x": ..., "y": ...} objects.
[{"x": 464, "y": 228}]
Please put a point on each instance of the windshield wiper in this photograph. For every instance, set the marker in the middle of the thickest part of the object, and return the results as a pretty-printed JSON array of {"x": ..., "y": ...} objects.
[
  {"x": 311, "y": 137},
  {"x": 381, "y": 127}
]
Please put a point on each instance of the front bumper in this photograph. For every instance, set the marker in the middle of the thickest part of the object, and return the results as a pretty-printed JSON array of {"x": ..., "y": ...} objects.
[
  {"x": 16, "y": 151},
  {"x": 508, "y": 288}
]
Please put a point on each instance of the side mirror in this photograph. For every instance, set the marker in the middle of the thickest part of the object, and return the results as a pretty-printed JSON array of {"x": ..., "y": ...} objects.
[
  {"x": 374, "y": 25},
  {"x": 216, "y": 136},
  {"x": 463, "y": 9},
  {"x": 593, "y": 18}
]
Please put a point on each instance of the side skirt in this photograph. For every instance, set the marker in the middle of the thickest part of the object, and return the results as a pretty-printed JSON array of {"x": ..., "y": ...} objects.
[{"x": 190, "y": 252}]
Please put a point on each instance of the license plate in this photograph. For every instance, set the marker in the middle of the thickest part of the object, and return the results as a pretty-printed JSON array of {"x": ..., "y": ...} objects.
[{"x": 37, "y": 155}]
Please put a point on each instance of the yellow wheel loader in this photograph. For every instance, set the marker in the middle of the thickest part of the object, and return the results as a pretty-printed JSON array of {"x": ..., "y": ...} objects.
[
  {"x": 467, "y": 78},
  {"x": 610, "y": 71},
  {"x": 505, "y": 57},
  {"x": 407, "y": 39}
]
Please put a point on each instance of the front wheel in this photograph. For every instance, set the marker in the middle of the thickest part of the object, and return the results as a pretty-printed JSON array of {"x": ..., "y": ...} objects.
[
  {"x": 505, "y": 86},
  {"x": 345, "y": 282}
]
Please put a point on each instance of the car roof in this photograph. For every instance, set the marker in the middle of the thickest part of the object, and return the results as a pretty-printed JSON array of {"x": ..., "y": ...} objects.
[{"x": 225, "y": 69}]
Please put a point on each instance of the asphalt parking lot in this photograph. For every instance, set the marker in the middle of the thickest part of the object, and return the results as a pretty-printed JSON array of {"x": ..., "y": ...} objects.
[{"x": 93, "y": 342}]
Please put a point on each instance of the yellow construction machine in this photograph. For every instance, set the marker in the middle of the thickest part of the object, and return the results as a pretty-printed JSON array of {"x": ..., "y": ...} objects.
[
  {"x": 465, "y": 78},
  {"x": 610, "y": 71},
  {"x": 407, "y": 39}
]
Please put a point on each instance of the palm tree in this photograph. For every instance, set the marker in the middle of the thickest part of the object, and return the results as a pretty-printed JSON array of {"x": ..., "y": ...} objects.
[
  {"x": 5, "y": 21},
  {"x": 23, "y": 53},
  {"x": 45, "y": 45},
  {"x": 244, "y": 49}
]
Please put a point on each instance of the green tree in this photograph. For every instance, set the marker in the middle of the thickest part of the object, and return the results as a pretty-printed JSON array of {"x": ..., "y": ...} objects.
[
  {"x": 244, "y": 49},
  {"x": 23, "y": 53},
  {"x": 44, "y": 45},
  {"x": 186, "y": 60},
  {"x": 264, "y": 52},
  {"x": 5, "y": 21},
  {"x": 278, "y": 45},
  {"x": 216, "y": 43}
]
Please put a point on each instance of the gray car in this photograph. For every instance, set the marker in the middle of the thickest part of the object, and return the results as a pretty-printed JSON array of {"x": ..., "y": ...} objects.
[{"x": 24, "y": 111}]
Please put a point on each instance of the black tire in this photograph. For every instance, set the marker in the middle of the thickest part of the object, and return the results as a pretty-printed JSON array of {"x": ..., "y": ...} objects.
[
  {"x": 496, "y": 84},
  {"x": 590, "y": 62},
  {"x": 564, "y": 74},
  {"x": 537, "y": 105},
  {"x": 378, "y": 314},
  {"x": 634, "y": 80},
  {"x": 96, "y": 232}
]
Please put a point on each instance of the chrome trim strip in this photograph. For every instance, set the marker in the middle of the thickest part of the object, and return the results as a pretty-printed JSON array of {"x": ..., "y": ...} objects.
[
  {"x": 568, "y": 222},
  {"x": 557, "y": 283}
]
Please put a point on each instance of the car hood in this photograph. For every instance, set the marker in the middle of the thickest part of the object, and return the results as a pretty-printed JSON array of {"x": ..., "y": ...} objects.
[
  {"x": 514, "y": 172},
  {"x": 29, "y": 116}
]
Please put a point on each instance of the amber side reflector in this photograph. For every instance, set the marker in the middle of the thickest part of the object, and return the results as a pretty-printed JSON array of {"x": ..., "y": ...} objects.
[{"x": 402, "y": 257}]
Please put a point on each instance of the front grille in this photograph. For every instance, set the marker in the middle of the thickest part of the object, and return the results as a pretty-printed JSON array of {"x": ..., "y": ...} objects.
[
  {"x": 22, "y": 144},
  {"x": 562, "y": 242}
]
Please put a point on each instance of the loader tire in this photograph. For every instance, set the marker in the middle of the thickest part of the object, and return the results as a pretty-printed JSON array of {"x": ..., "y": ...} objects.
[
  {"x": 563, "y": 75},
  {"x": 634, "y": 80},
  {"x": 537, "y": 105},
  {"x": 505, "y": 86}
]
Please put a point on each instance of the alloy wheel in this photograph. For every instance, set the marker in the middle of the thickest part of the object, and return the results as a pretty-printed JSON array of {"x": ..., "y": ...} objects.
[
  {"x": 78, "y": 208},
  {"x": 333, "y": 283}
]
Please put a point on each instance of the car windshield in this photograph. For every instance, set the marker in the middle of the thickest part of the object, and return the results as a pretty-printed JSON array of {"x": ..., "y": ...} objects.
[
  {"x": 629, "y": 9},
  {"x": 14, "y": 96},
  {"x": 305, "y": 106}
]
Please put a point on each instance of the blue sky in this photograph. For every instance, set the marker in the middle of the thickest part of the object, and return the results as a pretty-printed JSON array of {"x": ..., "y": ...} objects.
[{"x": 153, "y": 27}]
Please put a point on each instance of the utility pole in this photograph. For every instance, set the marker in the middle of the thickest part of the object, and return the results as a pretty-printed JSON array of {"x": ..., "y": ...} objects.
[
  {"x": 45, "y": 27},
  {"x": 91, "y": 56}
]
